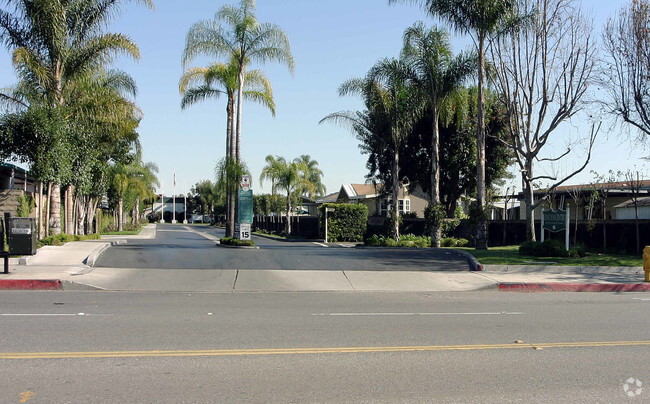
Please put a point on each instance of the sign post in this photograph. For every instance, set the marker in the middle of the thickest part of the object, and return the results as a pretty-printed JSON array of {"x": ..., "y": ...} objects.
[
  {"x": 327, "y": 210},
  {"x": 243, "y": 228},
  {"x": 556, "y": 221}
]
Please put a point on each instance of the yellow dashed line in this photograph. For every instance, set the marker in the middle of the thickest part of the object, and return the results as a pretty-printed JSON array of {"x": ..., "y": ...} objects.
[{"x": 302, "y": 351}]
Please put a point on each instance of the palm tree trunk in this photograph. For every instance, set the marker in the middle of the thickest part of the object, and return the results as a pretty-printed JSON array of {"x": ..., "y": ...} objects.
[
  {"x": 435, "y": 180},
  {"x": 90, "y": 212},
  {"x": 230, "y": 194},
  {"x": 81, "y": 214},
  {"x": 396, "y": 211},
  {"x": 481, "y": 193},
  {"x": 69, "y": 210},
  {"x": 120, "y": 213},
  {"x": 240, "y": 103},
  {"x": 40, "y": 210},
  {"x": 288, "y": 227},
  {"x": 47, "y": 209},
  {"x": 55, "y": 210}
]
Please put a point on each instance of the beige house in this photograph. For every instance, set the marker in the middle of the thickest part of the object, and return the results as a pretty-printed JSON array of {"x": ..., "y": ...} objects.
[
  {"x": 583, "y": 202},
  {"x": 409, "y": 201}
]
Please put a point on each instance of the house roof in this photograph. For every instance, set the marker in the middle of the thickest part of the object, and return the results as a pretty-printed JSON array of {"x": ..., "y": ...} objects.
[
  {"x": 621, "y": 186},
  {"x": 644, "y": 201},
  {"x": 361, "y": 191},
  {"x": 13, "y": 167},
  {"x": 330, "y": 198}
]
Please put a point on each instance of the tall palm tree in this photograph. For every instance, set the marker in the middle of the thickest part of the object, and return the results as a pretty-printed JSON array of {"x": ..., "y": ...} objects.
[
  {"x": 271, "y": 170},
  {"x": 289, "y": 178},
  {"x": 120, "y": 183},
  {"x": 141, "y": 184},
  {"x": 236, "y": 34},
  {"x": 312, "y": 175},
  {"x": 483, "y": 18},
  {"x": 54, "y": 42},
  {"x": 200, "y": 83},
  {"x": 438, "y": 74},
  {"x": 392, "y": 108},
  {"x": 106, "y": 120}
]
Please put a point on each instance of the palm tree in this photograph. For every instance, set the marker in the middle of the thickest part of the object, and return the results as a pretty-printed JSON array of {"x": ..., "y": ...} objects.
[
  {"x": 271, "y": 170},
  {"x": 54, "y": 42},
  {"x": 393, "y": 101},
  {"x": 106, "y": 121},
  {"x": 120, "y": 183},
  {"x": 236, "y": 34},
  {"x": 482, "y": 18},
  {"x": 198, "y": 84},
  {"x": 428, "y": 51},
  {"x": 141, "y": 184},
  {"x": 312, "y": 176},
  {"x": 288, "y": 177}
]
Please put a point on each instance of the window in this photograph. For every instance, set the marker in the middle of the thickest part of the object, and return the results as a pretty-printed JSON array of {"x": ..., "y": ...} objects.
[
  {"x": 383, "y": 208},
  {"x": 404, "y": 205}
]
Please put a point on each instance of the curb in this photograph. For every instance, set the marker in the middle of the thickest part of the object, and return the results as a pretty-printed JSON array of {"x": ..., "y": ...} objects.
[
  {"x": 473, "y": 263},
  {"x": 244, "y": 247},
  {"x": 90, "y": 260},
  {"x": 574, "y": 287},
  {"x": 30, "y": 284}
]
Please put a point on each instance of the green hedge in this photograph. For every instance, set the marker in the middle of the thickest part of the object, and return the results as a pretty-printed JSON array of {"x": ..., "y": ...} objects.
[
  {"x": 236, "y": 242},
  {"x": 63, "y": 238},
  {"x": 345, "y": 223}
]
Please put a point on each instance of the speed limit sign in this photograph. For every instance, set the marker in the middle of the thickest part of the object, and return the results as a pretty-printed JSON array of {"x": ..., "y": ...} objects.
[{"x": 244, "y": 231}]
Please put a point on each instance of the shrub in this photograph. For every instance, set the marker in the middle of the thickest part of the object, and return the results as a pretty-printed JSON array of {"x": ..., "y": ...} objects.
[
  {"x": 153, "y": 217},
  {"x": 346, "y": 222},
  {"x": 236, "y": 242},
  {"x": 454, "y": 242},
  {"x": 447, "y": 226},
  {"x": 528, "y": 248},
  {"x": 408, "y": 240},
  {"x": 578, "y": 252},
  {"x": 462, "y": 242},
  {"x": 549, "y": 248},
  {"x": 448, "y": 242},
  {"x": 63, "y": 238},
  {"x": 26, "y": 203}
]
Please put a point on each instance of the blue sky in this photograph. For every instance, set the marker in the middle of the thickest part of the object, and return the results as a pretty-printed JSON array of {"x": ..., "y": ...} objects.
[{"x": 331, "y": 41}]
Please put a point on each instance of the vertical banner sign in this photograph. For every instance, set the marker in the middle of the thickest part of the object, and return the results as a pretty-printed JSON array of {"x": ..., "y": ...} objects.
[{"x": 245, "y": 208}]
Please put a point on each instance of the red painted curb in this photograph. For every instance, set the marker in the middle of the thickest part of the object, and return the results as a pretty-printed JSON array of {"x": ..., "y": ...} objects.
[
  {"x": 574, "y": 287},
  {"x": 30, "y": 284}
]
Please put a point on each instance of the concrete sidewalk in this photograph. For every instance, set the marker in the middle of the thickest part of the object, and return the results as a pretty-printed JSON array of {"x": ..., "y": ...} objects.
[{"x": 71, "y": 267}]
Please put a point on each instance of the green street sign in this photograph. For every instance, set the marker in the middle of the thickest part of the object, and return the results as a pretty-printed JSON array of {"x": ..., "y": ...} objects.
[
  {"x": 246, "y": 206},
  {"x": 555, "y": 220}
]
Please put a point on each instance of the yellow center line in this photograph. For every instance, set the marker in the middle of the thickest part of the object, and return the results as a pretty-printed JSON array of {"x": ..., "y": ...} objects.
[{"x": 301, "y": 351}]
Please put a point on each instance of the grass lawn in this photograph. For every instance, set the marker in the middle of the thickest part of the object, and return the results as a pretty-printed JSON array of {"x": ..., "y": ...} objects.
[
  {"x": 510, "y": 255},
  {"x": 125, "y": 232}
]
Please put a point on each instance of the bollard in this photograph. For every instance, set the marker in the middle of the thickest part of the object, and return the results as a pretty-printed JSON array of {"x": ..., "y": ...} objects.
[{"x": 646, "y": 263}]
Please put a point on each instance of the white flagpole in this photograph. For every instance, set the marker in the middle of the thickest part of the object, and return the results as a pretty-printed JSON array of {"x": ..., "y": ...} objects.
[
  {"x": 185, "y": 200},
  {"x": 174, "y": 200},
  {"x": 162, "y": 202}
]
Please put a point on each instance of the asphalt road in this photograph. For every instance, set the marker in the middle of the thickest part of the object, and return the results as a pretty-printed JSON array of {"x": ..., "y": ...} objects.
[
  {"x": 107, "y": 347},
  {"x": 194, "y": 247}
]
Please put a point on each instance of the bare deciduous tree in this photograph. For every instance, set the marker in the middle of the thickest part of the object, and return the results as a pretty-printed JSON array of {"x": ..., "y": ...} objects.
[
  {"x": 626, "y": 66},
  {"x": 543, "y": 71}
]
